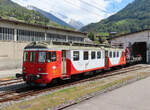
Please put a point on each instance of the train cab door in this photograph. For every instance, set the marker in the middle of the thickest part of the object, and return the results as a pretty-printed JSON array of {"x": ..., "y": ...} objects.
[
  {"x": 106, "y": 58},
  {"x": 64, "y": 67}
]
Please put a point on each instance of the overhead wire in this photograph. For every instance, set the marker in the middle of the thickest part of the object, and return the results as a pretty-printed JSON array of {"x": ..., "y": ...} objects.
[
  {"x": 94, "y": 6},
  {"x": 85, "y": 9},
  {"x": 73, "y": 5}
]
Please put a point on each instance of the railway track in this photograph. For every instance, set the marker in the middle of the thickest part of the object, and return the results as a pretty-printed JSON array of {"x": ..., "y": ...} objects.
[
  {"x": 21, "y": 93},
  {"x": 10, "y": 81}
]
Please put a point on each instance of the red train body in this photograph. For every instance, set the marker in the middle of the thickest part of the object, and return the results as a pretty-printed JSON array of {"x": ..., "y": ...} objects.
[{"x": 45, "y": 62}]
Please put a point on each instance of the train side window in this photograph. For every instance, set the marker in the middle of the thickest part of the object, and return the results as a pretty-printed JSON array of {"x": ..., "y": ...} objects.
[
  {"x": 86, "y": 55},
  {"x": 25, "y": 57},
  {"x": 110, "y": 54},
  {"x": 51, "y": 57},
  {"x": 98, "y": 55},
  {"x": 117, "y": 54},
  {"x": 76, "y": 56},
  {"x": 93, "y": 55},
  {"x": 32, "y": 56},
  {"x": 114, "y": 54},
  {"x": 48, "y": 57}
]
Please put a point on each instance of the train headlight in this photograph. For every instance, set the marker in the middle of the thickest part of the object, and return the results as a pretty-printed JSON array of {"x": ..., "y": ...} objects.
[
  {"x": 39, "y": 69},
  {"x": 24, "y": 68},
  {"x": 38, "y": 76}
]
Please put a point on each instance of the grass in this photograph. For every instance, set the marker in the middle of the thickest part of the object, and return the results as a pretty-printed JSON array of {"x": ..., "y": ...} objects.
[{"x": 73, "y": 93}]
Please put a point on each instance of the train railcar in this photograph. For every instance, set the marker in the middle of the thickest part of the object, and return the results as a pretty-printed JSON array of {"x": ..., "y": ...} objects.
[
  {"x": 44, "y": 62},
  {"x": 115, "y": 57}
]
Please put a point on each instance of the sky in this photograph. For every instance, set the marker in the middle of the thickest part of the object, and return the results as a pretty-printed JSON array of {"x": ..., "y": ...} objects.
[{"x": 85, "y": 11}]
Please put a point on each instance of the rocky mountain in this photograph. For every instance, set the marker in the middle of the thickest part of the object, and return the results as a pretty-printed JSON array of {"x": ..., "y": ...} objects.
[
  {"x": 50, "y": 16},
  {"x": 135, "y": 16},
  {"x": 76, "y": 24}
]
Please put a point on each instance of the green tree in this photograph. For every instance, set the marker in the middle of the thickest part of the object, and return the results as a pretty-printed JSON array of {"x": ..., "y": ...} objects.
[{"x": 91, "y": 36}]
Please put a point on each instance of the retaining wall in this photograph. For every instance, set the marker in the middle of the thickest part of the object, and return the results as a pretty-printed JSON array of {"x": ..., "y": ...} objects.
[{"x": 11, "y": 54}]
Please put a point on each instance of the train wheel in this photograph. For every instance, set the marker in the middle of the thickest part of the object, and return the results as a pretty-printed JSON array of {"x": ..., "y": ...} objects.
[{"x": 53, "y": 82}]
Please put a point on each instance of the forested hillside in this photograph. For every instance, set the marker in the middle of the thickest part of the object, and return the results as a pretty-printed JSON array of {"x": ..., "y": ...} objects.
[
  {"x": 11, "y": 10},
  {"x": 134, "y": 17}
]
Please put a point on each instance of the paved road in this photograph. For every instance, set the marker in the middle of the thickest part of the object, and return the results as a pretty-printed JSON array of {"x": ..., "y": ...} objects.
[
  {"x": 135, "y": 96},
  {"x": 9, "y": 73}
]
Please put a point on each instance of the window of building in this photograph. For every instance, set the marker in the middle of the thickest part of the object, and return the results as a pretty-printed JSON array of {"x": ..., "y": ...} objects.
[
  {"x": 1, "y": 37},
  {"x": 75, "y": 39},
  {"x": 93, "y": 55},
  {"x": 76, "y": 56},
  {"x": 25, "y": 35},
  {"x": 25, "y": 56},
  {"x": 32, "y": 56},
  {"x": 98, "y": 55},
  {"x": 56, "y": 37},
  {"x": 86, "y": 55},
  {"x": 6, "y": 33},
  {"x": 51, "y": 57},
  {"x": 110, "y": 54}
]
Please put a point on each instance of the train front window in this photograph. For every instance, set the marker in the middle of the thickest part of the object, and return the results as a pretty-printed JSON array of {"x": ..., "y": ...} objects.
[
  {"x": 42, "y": 56},
  {"x": 25, "y": 57},
  {"x": 32, "y": 56}
]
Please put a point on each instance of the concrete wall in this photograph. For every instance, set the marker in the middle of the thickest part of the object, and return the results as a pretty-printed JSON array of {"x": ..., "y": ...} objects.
[{"x": 11, "y": 54}]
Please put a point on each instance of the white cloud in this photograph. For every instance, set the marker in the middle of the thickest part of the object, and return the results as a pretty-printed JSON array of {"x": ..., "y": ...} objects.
[
  {"x": 119, "y": 1},
  {"x": 91, "y": 11}
]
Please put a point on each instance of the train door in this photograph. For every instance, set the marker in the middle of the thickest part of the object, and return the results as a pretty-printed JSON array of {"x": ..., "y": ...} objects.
[
  {"x": 32, "y": 62},
  {"x": 106, "y": 58},
  {"x": 64, "y": 67},
  {"x": 103, "y": 57}
]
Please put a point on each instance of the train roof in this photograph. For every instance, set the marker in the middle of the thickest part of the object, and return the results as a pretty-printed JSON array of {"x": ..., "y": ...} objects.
[
  {"x": 113, "y": 49},
  {"x": 47, "y": 45}
]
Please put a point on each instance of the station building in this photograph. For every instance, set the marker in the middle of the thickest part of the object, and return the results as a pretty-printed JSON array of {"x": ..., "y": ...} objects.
[
  {"x": 15, "y": 35},
  {"x": 139, "y": 41},
  {"x": 20, "y": 31}
]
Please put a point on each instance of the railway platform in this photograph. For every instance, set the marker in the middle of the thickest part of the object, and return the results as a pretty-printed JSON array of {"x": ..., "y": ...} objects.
[
  {"x": 135, "y": 96},
  {"x": 9, "y": 73}
]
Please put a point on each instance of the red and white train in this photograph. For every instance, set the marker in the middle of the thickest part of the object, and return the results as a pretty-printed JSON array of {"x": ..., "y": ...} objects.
[{"x": 44, "y": 62}]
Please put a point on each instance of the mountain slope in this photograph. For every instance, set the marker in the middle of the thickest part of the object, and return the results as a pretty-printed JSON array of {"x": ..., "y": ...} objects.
[
  {"x": 50, "y": 16},
  {"x": 133, "y": 17},
  {"x": 11, "y": 10}
]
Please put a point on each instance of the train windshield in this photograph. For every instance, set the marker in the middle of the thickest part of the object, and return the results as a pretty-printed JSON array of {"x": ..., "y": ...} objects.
[
  {"x": 32, "y": 56},
  {"x": 42, "y": 57},
  {"x": 25, "y": 56}
]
